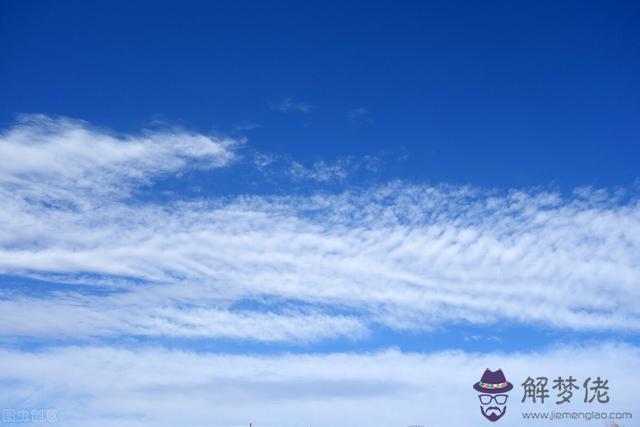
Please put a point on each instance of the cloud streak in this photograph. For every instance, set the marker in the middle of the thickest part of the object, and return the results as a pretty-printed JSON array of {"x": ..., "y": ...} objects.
[
  {"x": 359, "y": 115},
  {"x": 289, "y": 105},
  {"x": 321, "y": 171},
  {"x": 402, "y": 256},
  {"x": 64, "y": 159}
]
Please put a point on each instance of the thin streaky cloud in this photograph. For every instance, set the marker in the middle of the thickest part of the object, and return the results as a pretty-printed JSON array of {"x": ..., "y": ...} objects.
[
  {"x": 244, "y": 127},
  {"x": 321, "y": 171},
  {"x": 359, "y": 115},
  {"x": 404, "y": 256},
  {"x": 290, "y": 105},
  {"x": 68, "y": 160}
]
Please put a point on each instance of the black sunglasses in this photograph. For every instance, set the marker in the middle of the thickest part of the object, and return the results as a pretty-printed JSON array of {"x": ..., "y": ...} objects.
[{"x": 500, "y": 399}]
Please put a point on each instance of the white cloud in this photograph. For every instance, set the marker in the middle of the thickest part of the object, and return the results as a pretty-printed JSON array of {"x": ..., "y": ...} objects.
[
  {"x": 244, "y": 127},
  {"x": 73, "y": 316},
  {"x": 261, "y": 160},
  {"x": 289, "y": 269},
  {"x": 321, "y": 171},
  {"x": 408, "y": 257},
  {"x": 359, "y": 115},
  {"x": 159, "y": 387},
  {"x": 288, "y": 105},
  {"x": 67, "y": 160}
]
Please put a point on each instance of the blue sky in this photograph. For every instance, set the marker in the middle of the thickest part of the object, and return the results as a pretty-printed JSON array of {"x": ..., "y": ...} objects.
[
  {"x": 493, "y": 94},
  {"x": 233, "y": 212}
]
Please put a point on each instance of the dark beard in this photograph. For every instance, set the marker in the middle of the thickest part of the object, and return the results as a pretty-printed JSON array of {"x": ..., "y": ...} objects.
[{"x": 493, "y": 416}]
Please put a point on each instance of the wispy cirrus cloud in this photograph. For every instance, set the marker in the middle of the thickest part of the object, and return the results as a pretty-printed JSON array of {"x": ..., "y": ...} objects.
[
  {"x": 402, "y": 256},
  {"x": 245, "y": 126},
  {"x": 342, "y": 170},
  {"x": 321, "y": 171},
  {"x": 167, "y": 312},
  {"x": 290, "y": 105},
  {"x": 47, "y": 158},
  {"x": 116, "y": 271},
  {"x": 359, "y": 115}
]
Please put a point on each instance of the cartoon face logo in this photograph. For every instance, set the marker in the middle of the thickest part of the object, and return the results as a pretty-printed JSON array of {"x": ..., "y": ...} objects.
[{"x": 492, "y": 389}]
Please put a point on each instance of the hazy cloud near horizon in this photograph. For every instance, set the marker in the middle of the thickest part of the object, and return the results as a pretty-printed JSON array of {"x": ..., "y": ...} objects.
[{"x": 143, "y": 386}]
